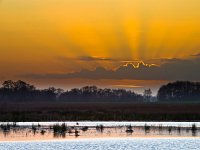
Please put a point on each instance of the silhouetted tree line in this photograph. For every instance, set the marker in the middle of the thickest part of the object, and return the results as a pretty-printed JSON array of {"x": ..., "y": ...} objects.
[
  {"x": 180, "y": 91},
  {"x": 91, "y": 93},
  {"x": 21, "y": 91}
]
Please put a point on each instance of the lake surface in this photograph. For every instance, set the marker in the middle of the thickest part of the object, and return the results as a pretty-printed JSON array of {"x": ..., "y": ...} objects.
[
  {"x": 40, "y": 131},
  {"x": 100, "y": 136},
  {"x": 108, "y": 144},
  {"x": 108, "y": 123}
]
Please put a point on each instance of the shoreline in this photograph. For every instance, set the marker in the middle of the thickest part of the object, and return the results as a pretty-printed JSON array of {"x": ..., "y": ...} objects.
[{"x": 106, "y": 124}]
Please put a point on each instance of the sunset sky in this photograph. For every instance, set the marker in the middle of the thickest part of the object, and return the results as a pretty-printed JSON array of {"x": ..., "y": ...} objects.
[{"x": 133, "y": 44}]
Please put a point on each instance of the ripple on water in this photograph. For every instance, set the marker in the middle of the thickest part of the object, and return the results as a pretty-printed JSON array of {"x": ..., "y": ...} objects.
[{"x": 107, "y": 144}]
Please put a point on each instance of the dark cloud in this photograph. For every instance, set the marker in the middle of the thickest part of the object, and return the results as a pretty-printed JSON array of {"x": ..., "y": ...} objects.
[
  {"x": 196, "y": 55},
  {"x": 86, "y": 58},
  {"x": 89, "y": 58},
  {"x": 177, "y": 70},
  {"x": 96, "y": 58},
  {"x": 170, "y": 59}
]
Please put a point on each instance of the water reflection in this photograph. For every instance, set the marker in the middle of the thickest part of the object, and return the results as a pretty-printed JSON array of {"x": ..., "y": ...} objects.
[{"x": 15, "y": 132}]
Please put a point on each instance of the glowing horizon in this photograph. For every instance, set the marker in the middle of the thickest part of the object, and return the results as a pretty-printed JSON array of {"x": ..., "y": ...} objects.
[{"x": 65, "y": 36}]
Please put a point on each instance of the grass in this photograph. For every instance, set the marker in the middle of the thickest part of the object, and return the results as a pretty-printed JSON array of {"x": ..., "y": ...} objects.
[
  {"x": 95, "y": 116},
  {"x": 6, "y": 127},
  {"x": 84, "y": 129},
  {"x": 100, "y": 128},
  {"x": 59, "y": 129},
  {"x": 19, "y": 112},
  {"x": 146, "y": 128},
  {"x": 170, "y": 129},
  {"x": 194, "y": 129},
  {"x": 129, "y": 129},
  {"x": 43, "y": 132},
  {"x": 179, "y": 129}
]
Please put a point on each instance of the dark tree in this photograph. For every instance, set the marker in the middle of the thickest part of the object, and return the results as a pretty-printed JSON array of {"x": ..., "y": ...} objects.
[
  {"x": 94, "y": 94},
  {"x": 180, "y": 91},
  {"x": 147, "y": 95},
  {"x": 21, "y": 91}
]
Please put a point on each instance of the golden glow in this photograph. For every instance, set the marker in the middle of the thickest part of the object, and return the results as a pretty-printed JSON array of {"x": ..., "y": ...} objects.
[
  {"x": 127, "y": 86},
  {"x": 137, "y": 64},
  {"x": 35, "y": 34}
]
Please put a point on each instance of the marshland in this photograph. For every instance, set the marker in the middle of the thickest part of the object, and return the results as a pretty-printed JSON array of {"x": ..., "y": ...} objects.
[{"x": 86, "y": 130}]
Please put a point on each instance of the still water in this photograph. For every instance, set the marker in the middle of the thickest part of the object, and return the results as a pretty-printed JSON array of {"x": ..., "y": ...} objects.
[
  {"x": 108, "y": 144},
  {"x": 37, "y": 131},
  {"x": 111, "y": 123}
]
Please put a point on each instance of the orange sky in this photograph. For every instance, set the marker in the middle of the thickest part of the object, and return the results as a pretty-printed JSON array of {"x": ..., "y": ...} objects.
[{"x": 52, "y": 36}]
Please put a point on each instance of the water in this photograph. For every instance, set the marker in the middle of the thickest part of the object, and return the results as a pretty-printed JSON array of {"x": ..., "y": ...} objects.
[
  {"x": 26, "y": 131},
  {"x": 106, "y": 124},
  {"x": 108, "y": 144}
]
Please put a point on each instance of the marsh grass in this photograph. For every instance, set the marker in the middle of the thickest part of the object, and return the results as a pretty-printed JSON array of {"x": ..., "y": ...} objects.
[
  {"x": 179, "y": 129},
  {"x": 84, "y": 129},
  {"x": 27, "y": 112},
  {"x": 170, "y": 129},
  {"x": 60, "y": 130},
  {"x": 76, "y": 133},
  {"x": 146, "y": 128},
  {"x": 34, "y": 129},
  {"x": 194, "y": 129},
  {"x": 100, "y": 128},
  {"x": 129, "y": 129},
  {"x": 43, "y": 132}
]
